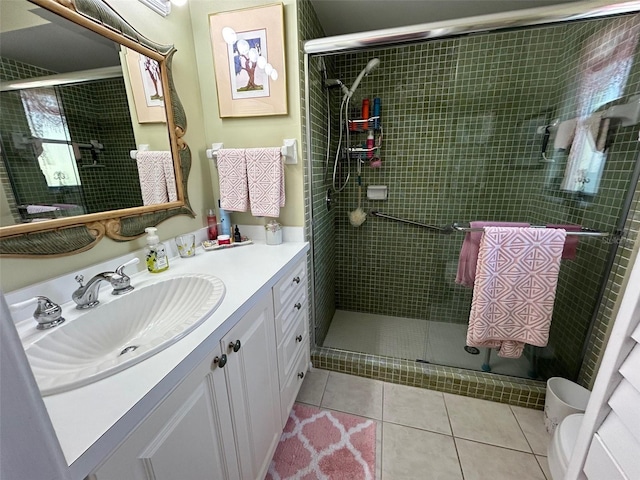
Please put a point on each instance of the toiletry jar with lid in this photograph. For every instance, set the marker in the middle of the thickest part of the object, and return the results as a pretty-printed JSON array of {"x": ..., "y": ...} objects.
[{"x": 273, "y": 233}]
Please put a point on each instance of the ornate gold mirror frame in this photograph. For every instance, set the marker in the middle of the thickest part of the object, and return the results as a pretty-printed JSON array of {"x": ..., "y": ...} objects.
[{"x": 66, "y": 236}]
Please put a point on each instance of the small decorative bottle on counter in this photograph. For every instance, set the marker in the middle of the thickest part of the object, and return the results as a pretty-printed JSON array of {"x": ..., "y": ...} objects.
[{"x": 212, "y": 225}]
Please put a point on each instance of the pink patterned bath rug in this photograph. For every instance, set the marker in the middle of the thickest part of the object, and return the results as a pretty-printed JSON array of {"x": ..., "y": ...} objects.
[{"x": 324, "y": 445}]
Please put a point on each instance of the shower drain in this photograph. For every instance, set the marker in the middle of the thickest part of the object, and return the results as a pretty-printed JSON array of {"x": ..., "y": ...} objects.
[
  {"x": 130, "y": 348},
  {"x": 471, "y": 350}
]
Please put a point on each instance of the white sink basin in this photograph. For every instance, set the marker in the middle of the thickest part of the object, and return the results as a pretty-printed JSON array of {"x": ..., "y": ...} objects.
[{"x": 116, "y": 335}]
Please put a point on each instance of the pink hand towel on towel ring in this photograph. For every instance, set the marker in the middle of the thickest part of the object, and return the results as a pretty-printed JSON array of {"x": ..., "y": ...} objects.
[
  {"x": 232, "y": 174},
  {"x": 265, "y": 172}
]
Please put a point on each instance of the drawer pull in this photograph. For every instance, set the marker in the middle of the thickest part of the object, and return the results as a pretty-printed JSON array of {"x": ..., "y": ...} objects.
[
  {"x": 220, "y": 361},
  {"x": 235, "y": 346},
  {"x": 296, "y": 279},
  {"x": 301, "y": 375},
  {"x": 299, "y": 338},
  {"x": 298, "y": 306}
]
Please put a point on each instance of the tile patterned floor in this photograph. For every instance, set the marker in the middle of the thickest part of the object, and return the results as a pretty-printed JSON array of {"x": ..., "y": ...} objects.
[{"x": 423, "y": 434}]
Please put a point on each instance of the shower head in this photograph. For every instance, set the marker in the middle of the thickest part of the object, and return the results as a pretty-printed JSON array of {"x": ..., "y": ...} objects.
[
  {"x": 334, "y": 82},
  {"x": 373, "y": 63}
]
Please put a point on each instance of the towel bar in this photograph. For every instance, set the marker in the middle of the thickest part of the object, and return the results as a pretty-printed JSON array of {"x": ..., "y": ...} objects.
[
  {"x": 289, "y": 150},
  {"x": 585, "y": 232},
  {"x": 454, "y": 227},
  {"x": 143, "y": 147}
]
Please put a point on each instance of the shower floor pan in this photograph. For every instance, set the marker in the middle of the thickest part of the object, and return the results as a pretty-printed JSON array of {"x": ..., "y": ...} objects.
[{"x": 438, "y": 343}]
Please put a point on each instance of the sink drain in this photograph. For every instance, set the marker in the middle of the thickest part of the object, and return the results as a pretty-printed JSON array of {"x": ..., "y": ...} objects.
[
  {"x": 130, "y": 348},
  {"x": 472, "y": 350}
]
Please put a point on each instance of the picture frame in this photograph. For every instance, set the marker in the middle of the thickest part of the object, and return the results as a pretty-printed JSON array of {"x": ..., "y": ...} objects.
[
  {"x": 146, "y": 87},
  {"x": 249, "y": 61}
]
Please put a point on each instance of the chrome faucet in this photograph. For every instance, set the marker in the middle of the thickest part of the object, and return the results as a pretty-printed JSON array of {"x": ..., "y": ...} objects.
[
  {"x": 86, "y": 296},
  {"x": 48, "y": 314}
]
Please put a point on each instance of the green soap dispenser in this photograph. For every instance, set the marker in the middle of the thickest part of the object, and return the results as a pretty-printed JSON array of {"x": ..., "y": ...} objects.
[{"x": 155, "y": 252}]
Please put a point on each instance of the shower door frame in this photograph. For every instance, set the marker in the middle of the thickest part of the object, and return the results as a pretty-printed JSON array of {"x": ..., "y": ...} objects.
[{"x": 534, "y": 17}]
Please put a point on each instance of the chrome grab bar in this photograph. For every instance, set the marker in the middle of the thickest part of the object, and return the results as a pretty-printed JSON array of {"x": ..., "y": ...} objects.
[{"x": 446, "y": 229}]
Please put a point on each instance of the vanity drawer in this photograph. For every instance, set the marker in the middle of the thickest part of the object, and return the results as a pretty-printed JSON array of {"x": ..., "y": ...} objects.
[
  {"x": 296, "y": 339},
  {"x": 295, "y": 308},
  {"x": 289, "y": 286},
  {"x": 290, "y": 389}
]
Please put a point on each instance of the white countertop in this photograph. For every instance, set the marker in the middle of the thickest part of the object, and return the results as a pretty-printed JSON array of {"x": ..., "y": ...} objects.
[{"x": 91, "y": 421}]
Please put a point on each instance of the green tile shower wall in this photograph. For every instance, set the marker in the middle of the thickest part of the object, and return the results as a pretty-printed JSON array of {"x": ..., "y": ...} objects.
[
  {"x": 323, "y": 227},
  {"x": 459, "y": 144},
  {"x": 28, "y": 179},
  {"x": 91, "y": 113},
  {"x": 581, "y": 279}
]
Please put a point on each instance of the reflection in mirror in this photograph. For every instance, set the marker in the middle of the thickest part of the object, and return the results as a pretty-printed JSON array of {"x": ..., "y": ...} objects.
[
  {"x": 65, "y": 146},
  {"x": 67, "y": 177}
]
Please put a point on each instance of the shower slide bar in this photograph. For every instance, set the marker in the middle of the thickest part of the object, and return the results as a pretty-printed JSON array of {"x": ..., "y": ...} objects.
[{"x": 455, "y": 227}]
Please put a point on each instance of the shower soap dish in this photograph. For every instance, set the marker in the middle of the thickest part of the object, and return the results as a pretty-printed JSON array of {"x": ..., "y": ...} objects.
[
  {"x": 213, "y": 244},
  {"x": 377, "y": 192}
]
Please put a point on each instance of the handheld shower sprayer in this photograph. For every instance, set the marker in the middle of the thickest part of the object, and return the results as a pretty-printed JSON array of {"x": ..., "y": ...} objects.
[{"x": 373, "y": 63}]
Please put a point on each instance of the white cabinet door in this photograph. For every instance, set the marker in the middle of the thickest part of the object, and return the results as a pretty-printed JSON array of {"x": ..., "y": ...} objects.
[
  {"x": 188, "y": 437},
  {"x": 254, "y": 391}
]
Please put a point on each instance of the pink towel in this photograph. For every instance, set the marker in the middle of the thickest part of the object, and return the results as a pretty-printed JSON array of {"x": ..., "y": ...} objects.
[
  {"x": 469, "y": 251},
  {"x": 515, "y": 288},
  {"x": 232, "y": 173},
  {"x": 571, "y": 243},
  {"x": 157, "y": 177},
  {"x": 265, "y": 172}
]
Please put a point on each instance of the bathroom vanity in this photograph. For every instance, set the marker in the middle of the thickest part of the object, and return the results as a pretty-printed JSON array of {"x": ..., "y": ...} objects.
[{"x": 213, "y": 404}]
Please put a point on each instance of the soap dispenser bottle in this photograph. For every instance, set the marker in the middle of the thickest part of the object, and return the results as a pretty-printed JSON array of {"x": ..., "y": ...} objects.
[{"x": 155, "y": 252}]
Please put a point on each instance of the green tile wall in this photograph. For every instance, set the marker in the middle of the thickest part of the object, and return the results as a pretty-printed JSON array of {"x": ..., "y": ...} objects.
[
  {"x": 323, "y": 228},
  {"x": 460, "y": 144}
]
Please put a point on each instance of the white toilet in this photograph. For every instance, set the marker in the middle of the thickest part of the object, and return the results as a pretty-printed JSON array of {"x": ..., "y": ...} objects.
[{"x": 562, "y": 444}]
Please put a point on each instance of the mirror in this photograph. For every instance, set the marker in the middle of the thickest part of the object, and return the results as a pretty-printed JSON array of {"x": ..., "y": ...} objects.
[{"x": 69, "y": 117}]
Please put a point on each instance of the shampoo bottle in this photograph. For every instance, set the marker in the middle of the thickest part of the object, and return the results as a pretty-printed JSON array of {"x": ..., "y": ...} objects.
[
  {"x": 155, "y": 252},
  {"x": 365, "y": 114},
  {"x": 225, "y": 221},
  {"x": 376, "y": 113},
  {"x": 370, "y": 144}
]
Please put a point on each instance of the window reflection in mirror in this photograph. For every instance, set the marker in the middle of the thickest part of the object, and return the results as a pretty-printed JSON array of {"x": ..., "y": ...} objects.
[{"x": 603, "y": 62}]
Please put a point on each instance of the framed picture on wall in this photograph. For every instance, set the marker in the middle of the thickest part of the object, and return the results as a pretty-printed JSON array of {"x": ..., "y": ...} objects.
[
  {"x": 146, "y": 87},
  {"x": 249, "y": 60}
]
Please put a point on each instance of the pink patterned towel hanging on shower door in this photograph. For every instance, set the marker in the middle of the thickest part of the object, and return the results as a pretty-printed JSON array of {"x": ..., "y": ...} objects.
[{"x": 515, "y": 287}]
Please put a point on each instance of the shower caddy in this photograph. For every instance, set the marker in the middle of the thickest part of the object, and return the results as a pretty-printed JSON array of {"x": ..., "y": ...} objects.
[{"x": 365, "y": 125}]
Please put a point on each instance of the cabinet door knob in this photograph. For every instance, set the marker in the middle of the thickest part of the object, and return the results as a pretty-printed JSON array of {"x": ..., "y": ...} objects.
[
  {"x": 298, "y": 306},
  {"x": 301, "y": 375},
  {"x": 296, "y": 279},
  {"x": 299, "y": 338},
  {"x": 235, "y": 346},
  {"x": 220, "y": 361}
]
